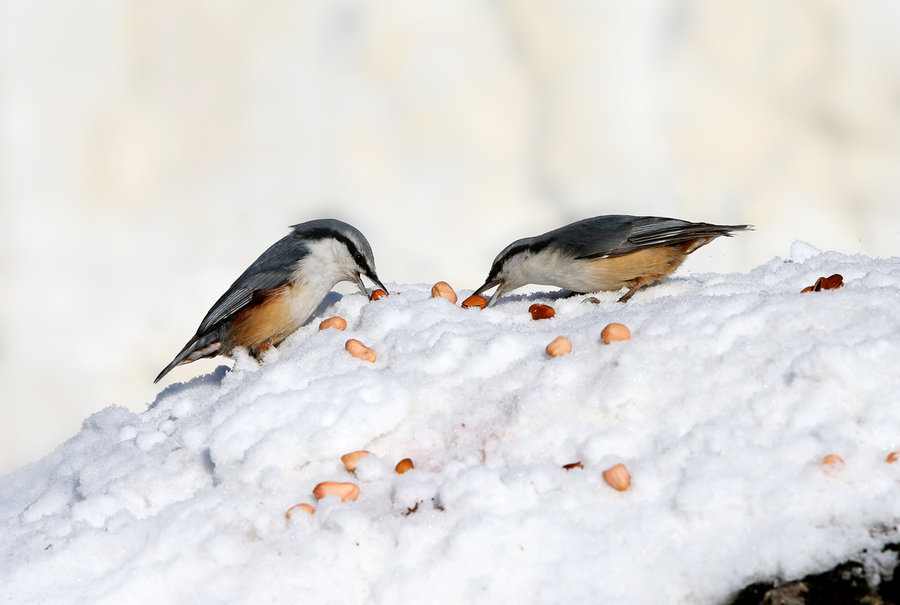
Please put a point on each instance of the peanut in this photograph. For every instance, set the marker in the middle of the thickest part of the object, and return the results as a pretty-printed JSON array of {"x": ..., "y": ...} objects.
[
  {"x": 541, "y": 311},
  {"x": 346, "y": 491},
  {"x": 832, "y": 460},
  {"x": 559, "y": 346},
  {"x": 304, "y": 507},
  {"x": 359, "y": 350},
  {"x": 617, "y": 477},
  {"x": 404, "y": 465},
  {"x": 475, "y": 301},
  {"x": 377, "y": 293},
  {"x": 614, "y": 332},
  {"x": 832, "y": 282},
  {"x": 443, "y": 290},
  {"x": 335, "y": 322},
  {"x": 352, "y": 458}
]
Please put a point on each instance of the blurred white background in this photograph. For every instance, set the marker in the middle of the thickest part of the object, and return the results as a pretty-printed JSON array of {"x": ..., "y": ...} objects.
[{"x": 151, "y": 149}]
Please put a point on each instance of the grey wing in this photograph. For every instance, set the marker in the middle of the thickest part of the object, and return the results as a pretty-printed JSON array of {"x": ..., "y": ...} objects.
[
  {"x": 207, "y": 341},
  {"x": 272, "y": 269},
  {"x": 619, "y": 235},
  {"x": 240, "y": 294},
  {"x": 594, "y": 237}
]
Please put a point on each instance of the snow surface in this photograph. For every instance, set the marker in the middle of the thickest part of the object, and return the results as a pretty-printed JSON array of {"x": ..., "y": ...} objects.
[
  {"x": 722, "y": 405},
  {"x": 150, "y": 150}
]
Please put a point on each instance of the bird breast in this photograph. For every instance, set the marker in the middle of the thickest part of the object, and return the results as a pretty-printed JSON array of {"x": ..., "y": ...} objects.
[
  {"x": 641, "y": 267},
  {"x": 548, "y": 267},
  {"x": 553, "y": 268},
  {"x": 264, "y": 323},
  {"x": 278, "y": 312}
]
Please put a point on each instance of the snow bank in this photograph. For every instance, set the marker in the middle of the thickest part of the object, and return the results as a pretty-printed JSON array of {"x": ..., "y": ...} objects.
[{"x": 722, "y": 405}]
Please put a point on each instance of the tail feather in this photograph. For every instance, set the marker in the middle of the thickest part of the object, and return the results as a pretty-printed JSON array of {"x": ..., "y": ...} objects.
[
  {"x": 670, "y": 235},
  {"x": 198, "y": 347}
]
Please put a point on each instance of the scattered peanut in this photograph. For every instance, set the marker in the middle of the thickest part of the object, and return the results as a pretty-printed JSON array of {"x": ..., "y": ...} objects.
[
  {"x": 377, "y": 293},
  {"x": 559, "y": 346},
  {"x": 404, "y": 465},
  {"x": 346, "y": 491},
  {"x": 335, "y": 322},
  {"x": 304, "y": 507},
  {"x": 359, "y": 350},
  {"x": 352, "y": 458},
  {"x": 832, "y": 460},
  {"x": 832, "y": 282},
  {"x": 617, "y": 477},
  {"x": 614, "y": 332},
  {"x": 572, "y": 465},
  {"x": 475, "y": 301},
  {"x": 892, "y": 457},
  {"x": 443, "y": 290},
  {"x": 541, "y": 311}
]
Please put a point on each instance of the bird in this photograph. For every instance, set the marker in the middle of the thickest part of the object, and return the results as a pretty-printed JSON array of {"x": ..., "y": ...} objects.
[
  {"x": 281, "y": 290},
  {"x": 608, "y": 253}
]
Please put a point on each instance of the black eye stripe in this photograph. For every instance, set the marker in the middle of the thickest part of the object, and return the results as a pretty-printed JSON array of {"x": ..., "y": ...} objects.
[
  {"x": 325, "y": 233},
  {"x": 360, "y": 259},
  {"x": 534, "y": 246}
]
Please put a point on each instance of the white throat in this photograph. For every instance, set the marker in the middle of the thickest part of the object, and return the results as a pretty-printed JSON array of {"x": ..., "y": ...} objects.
[
  {"x": 542, "y": 268},
  {"x": 547, "y": 267},
  {"x": 327, "y": 263}
]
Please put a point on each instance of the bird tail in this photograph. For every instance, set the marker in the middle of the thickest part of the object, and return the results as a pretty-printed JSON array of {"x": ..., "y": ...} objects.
[
  {"x": 198, "y": 347},
  {"x": 669, "y": 232}
]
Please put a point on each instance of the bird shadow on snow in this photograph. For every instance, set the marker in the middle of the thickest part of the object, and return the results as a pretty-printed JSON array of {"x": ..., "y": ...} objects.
[
  {"x": 657, "y": 289},
  {"x": 330, "y": 299},
  {"x": 558, "y": 295},
  {"x": 213, "y": 378}
]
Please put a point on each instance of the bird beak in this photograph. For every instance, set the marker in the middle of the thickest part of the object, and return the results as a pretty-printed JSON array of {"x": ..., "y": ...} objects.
[
  {"x": 487, "y": 286},
  {"x": 496, "y": 296},
  {"x": 375, "y": 280},
  {"x": 361, "y": 285}
]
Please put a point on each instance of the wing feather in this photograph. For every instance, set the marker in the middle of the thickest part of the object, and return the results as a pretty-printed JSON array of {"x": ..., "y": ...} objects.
[
  {"x": 619, "y": 235},
  {"x": 271, "y": 270},
  {"x": 240, "y": 294}
]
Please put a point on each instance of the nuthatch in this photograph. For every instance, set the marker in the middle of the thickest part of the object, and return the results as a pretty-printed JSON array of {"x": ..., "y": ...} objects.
[
  {"x": 281, "y": 289},
  {"x": 601, "y": 253}
]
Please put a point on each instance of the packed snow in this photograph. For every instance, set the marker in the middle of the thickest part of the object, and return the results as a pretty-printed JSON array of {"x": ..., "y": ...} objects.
[
  {"x": 730, "y": 393},
  {"x": 150, "y": 150}
]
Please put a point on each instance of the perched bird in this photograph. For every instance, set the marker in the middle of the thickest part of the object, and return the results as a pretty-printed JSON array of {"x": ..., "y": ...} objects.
[
  {"x": 281, "y": 289},
  {"x": 601, "y": 253}
]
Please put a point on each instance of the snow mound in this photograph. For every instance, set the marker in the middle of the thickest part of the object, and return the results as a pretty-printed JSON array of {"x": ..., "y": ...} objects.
[{"x": 731, "y": 391}]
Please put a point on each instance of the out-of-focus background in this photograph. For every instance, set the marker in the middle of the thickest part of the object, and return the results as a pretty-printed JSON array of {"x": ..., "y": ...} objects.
[{"x": 151, "y": 149}]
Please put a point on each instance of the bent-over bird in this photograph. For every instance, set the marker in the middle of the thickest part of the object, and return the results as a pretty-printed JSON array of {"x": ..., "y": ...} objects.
[
  {"x": 281, "y": 289},
  {"x": 602, "y": 253}
]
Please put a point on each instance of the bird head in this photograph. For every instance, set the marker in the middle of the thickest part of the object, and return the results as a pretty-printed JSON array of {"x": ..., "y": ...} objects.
[
  {"x": 341, "y": 252},
  {"x": 517, "y": 265}
]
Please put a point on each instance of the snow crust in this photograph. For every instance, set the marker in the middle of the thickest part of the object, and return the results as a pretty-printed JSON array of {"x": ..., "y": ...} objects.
[{"x": 731, "y": 391}]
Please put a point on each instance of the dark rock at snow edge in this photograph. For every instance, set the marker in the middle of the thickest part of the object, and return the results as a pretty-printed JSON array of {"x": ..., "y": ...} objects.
[{"x": 844, "y": 584}]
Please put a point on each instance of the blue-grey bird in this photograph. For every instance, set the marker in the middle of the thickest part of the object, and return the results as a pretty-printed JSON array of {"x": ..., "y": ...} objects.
[
  {"x": 280, "y": 291},
  {"x": 602, "y": 253}
]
